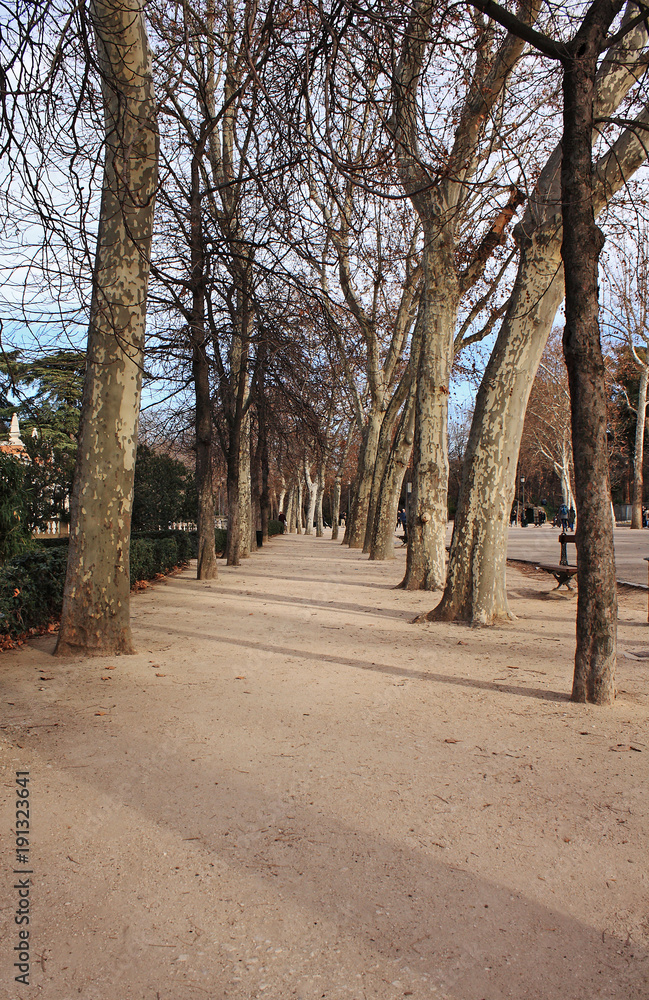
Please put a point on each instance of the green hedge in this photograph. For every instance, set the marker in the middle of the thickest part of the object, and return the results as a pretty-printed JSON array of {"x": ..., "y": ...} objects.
[
  {"x": 275, "y": 528},
  {"x": 31, "y": 590},
  {"x": 31, "y": 585},
  {"x": 220, "y": 539}
]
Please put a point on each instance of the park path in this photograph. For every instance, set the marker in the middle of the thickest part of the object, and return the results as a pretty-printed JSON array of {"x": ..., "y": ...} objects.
[{"x": 292, "y": 792}]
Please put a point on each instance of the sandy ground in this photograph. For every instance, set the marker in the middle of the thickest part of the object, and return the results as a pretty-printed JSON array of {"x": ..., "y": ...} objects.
[{"x": 292, "y": 792}]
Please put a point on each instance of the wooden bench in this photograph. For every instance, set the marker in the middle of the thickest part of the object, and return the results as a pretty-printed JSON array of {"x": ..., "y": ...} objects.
[{"x": 564, "y": 572}]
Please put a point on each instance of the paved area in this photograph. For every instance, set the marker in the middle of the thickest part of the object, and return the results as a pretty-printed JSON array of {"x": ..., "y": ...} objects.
[{"x": 631, "y": 548}]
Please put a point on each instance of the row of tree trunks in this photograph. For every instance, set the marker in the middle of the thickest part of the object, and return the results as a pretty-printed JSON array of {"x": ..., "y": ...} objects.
[
  {"x": 440, "y": 201},
  {"x": 475, "y": 588},
  {"x": 338, "y": 479}
]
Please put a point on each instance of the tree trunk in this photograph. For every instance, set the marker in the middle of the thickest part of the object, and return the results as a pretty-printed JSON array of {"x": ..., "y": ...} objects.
[
  {"x": 595, "y": 656},
  {"x": 233, "y": 544},
  {"x": 385, "y": 443},
  {"x": 299, "y": 506},
  {"x": 319, "y": 531},
  {"x": 475, "y": 587},
  {"x": 428, "y": 514},
  {"x": 385, "y": 518},
  {"x": 95, "y": 616},
  {"x": 367, "y": 458},
  {"x": 638, "y": 453},
  {"x": 206, "y": 568},
  {"x": 312, "y": 488},
  {"x": 335, "y": 509},
  {"x": 290, "y": 510},
  {"x": 245, "y": 491}
]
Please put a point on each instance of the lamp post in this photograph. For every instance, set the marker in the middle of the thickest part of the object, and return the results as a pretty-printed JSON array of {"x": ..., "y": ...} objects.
[{"x": 523, "y": 522}]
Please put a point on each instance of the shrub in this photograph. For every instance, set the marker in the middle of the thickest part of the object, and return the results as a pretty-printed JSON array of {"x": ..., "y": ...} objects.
[
  {"x": 31, "y": 584},
  {"x": 275, "y": 528},
  {"x": 220, "y": 539},
  {"x": 31, "y": 590}
]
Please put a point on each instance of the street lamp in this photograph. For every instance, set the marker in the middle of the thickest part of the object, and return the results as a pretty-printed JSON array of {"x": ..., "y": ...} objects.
[{"x": 523, "y": 510}]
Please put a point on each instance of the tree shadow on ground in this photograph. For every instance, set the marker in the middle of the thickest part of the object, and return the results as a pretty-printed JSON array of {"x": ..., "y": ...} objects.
[{"x": 381, "y": 668}]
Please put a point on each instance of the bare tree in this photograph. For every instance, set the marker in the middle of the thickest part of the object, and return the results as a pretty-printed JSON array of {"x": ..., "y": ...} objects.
[
  {"x": 440, "y": 194},
  {"x": 95, "y": 617}
]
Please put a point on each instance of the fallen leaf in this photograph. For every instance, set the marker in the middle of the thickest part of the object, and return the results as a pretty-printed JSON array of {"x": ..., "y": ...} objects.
[
  {"x": 161, "y": 675},
  {"x": 100, "y": 713},
  {"x": 46, "y": 678},
  {"x": 511, "y": 668},
  {"x": 111, "y": 668},
  {"x": 241, "y": 678},
  {"x": 105, "y": 678},
  {"x": 451, "y": 740}
]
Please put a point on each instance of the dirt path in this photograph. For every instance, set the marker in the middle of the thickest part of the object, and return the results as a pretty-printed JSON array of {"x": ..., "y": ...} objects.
[{"x": 291, "y": 792}]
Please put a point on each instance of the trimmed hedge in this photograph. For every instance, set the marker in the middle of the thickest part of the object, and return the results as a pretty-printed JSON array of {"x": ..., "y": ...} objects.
[
  {"x": 275, "y": 528},
  {"x": 31, "y": 585},
  {"x": 31, "y": 590}
]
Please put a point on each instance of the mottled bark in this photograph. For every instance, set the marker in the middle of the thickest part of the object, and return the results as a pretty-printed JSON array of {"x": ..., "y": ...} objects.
[
  {"x": 428, "y": 514},
  {"x": 299, "y": 507},
  {"x": 312, "y": 490},
  {"x": 382, "y": 546},
  {"x": 475, "y": 589},
  {"x": 319, "y": 530},
  {"x": 245, "y": 491},
  {"x": 290, "y": 510},
  {"x": 367, "y": 458},
  {"x": 386, "y": 435},
  {"x": 440, "y": 202},
  {"x": 95, "y": 616}
]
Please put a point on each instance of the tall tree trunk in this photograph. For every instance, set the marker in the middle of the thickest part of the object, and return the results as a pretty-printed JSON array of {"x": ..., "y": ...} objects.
[
  {"x": 356, "y": 530},
  {"x": 319, "y": 531},
  {"x": 428, "y": 515},
  {"x": 206, "y": 557},
  {"x": 290, "y": 510},
  {"x": 596, "y": 652},
  {"x": 206, "y": 568},
  {"x": 385, "y": 443},
  {"x": 245, "y": 490},
  {"x": 638, "y": 452},
  {"x": 299, "y": 525},
  {"x": 475, "y": 587},
  {"x": 95, "y": 616},
  {"x": 335, "y": 509},
  {"x": 385, "y": 518},
  {"x": 312, "y": 488}
]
